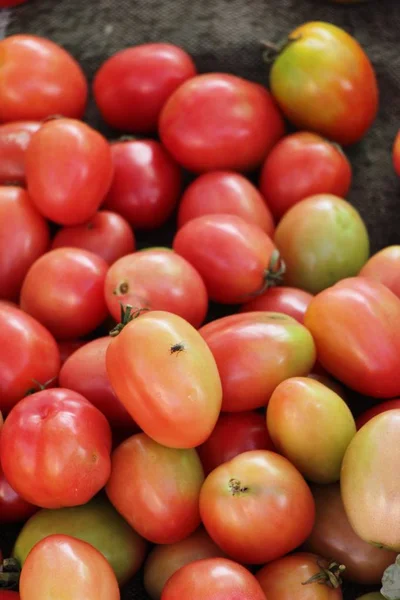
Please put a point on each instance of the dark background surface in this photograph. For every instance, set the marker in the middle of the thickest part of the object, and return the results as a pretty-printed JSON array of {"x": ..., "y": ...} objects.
[{"x": 224, "y": 35}]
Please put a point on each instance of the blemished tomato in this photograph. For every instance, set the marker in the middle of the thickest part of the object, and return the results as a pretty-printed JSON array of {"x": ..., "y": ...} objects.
[
  {"x": 14, "y": 140},
  {"x": 396, "y": 154},
  {"x": 301, "y": 165},
  {"x": 286, "y": 300},
  {"x": 24, "y": 236},
  {"x": 68, "y": 170},
  {"x": 156, "y": 489},
  {"x": 157, "y": 279},
  {"x": 51, "y": 570},
  {"x": 225, "y": 192},
  {"x": 39, "y": 79},
  {"x": 13, "y": 508},
  {"x": 161, "y": 368},
  {"x": 254, "y": 353},
  {"x": 55, "y": 449},
  {"x": 216, "y": 578},
  {"x": 68, "y": 347},
  {"x": 344, "y": 320},
  {"x": 146, "y": 184},
  {"x": 377, "y": 410},
  {"x": 235, "y": 133},
  {"x": 70, "y": 298},
  {"x": 384, "y": 266},
  {"x": 324, "y": 82}
]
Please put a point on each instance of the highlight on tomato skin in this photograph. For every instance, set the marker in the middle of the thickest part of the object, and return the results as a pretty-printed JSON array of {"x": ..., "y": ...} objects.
[{"x": 14, "y": 141}]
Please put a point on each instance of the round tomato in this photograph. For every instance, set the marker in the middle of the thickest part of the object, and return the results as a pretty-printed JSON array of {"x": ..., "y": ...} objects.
[
  {"x": 237, "y": 132},
  {"x": 339, "y": 97},
  {"x": 384, "y": 266},
  {"x": 13, "y": 508},
  {"x": 55, "y": 449},
  {"x": 376, "y": 410},
  {"x": 257, "y": 507},
  {"x": 14, "y": 140},
  {"x": 396, "y": 154},
  {"x": 39, "y": 79},
  {"x": 286, "y": 300}
]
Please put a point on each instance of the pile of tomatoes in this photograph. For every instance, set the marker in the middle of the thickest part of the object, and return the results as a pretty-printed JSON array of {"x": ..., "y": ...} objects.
[{"x": 225, "y": 455}]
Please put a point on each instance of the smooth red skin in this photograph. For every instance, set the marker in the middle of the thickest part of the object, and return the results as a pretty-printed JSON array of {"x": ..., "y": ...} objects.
[
  {"x": 377, "y": 410},
  {"x": 231, "y": 255},
  {"x": 355, "y": 328},
  {"x": 235, "y": 133},
  {"x": 28, "y": 353},
  {"x": 213, "y": 578},
  {"x": 286, "y": 300},
  {"x": 64, "y": 290},
  {"x": 68, "y": 347},
  {"x": 8, "y": 595},
  {"x": 301, "y": 165},
  {"x": 158, "y": 279},
  {"x": 13, "y": 508},
  {"x": 24, "y": 236},
  {"x": 68, "y": 170},
  {"x": 384, "y": 266},
  {"x": 14, "y": 140},
  {"x": 146, "y": 184},
  {"x": 39, "y": 79},
  {"x": 396, "y": 154},
  {"x": 55, "y": 449},
  {"x": 225, "y": 192}
]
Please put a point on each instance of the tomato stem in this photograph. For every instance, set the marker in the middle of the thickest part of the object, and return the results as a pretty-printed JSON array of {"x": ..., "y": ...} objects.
[
  {"x": 128, "y": 314},
  {"x": 271, "y": 50},
  {"x": 329, "y": 576},
  {"x": 39, "y": 386},
  {"x": 236, "y": 487},
  {"x": 273, "y": 275}
]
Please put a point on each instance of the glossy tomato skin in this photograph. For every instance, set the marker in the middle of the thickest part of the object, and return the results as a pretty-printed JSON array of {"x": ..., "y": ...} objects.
[
  {"x": 339, "y": 99},
  {"x": 377, "y": 410},
  {"x": 286, "y": 300},
  {"x": 68, "y": 170},
  {"x": 39, "y": 79},
  {"x": 225, "y": 192},
  {"x": 24, "y": 236},
  {"x": 255, "y": 352},
  {"x": 157, "y": 279},
  {"x": 146, "y": 183},
  {"x": 235, "y": 133},
  {"x": 396, "y": 154},
  {"x": 384, "y": 266},
  {"x": 13, "y": 508},
  {"x": 58, "y": 434},
  {"x": 343, "y": 321},
  {"x": 14, "y": 140},
  {"x": 132, "y": 86},
  {"x": 301, "y": 165}
]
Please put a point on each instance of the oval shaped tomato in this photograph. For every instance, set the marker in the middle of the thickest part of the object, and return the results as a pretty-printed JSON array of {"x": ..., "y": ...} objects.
[
  {"x": 339, "y": 98},
  {"x": 236, "y": 133},
  {"x": 237, "y": 496},
  {"x": 344, "y": 320},
  {"x": 162, "y": 370},
  {"x": 13, "y": 508},
  {"x": 286, "y": 300},
  {"x": 255, "y": 352},
  {"x": 384, "y": 266},
  {"x": 55, "y": 449},
  {"x": 396, "y": 154},
  {"x": 376, "y": 410},
  {"x": 14, "y": 140}
]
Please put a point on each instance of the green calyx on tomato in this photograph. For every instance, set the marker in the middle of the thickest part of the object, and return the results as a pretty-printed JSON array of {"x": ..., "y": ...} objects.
[
  {"x": 128, "y": 314},
  {"x": 236, "y": 488},
  {"x": 272, "y": 50},
  {"x": 39, "y": 387},
  {"x": 330, "y": 576},
  {"x": 273, "y": 275}
]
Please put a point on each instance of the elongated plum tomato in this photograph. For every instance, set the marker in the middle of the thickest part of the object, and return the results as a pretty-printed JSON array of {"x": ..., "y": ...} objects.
[
  {"x": 235, "y": 133},
  {"x": 344, "y": 320},
  {"x": 68, "y": 170},
  {"x": 13, "y": 508},
  {"x": 377, "y": 410},
  {"x": 396, "y": 154},
  {"x": 384, "y": 266},
  {"x": 286, "y": 300},
  {"x": 14, "y": 140},
  {"x": 339, "y": 99},
  {"x": 74, "y": 569},
  {"x": 254, "y": 353},
  {"x": 157, "y": 279},
  {"x": 162, "y": 370}
]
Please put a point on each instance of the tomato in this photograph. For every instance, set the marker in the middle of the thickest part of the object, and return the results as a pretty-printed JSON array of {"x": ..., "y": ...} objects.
[
  {"x": 24, "y": 236},
  {"x": 68, "y": 347},
  {"x": 146, "y": 184},
  {"x": 396, "y": 154},
  {"x": 286, "y": 300},
  {"x": 216, "y": 578},
  {"x": 255, "y": 352},
  {"x": 329, "y": 382},
  {"x": 28, "y": 354},
  {"x": 70, "y": 299},
  {"x": 237, "y": 496},
  {"x": 355, "y": 327},
  {"x": 157, "y": 279},
  {"x": 161, "y": 368},
  {"x": 384, "y": 266},
  {"x": 69, "y": 170},
  {"x": 14, "y": 140},
  {"x": 141, "y": 77},
  {"x": 235, "y": 133},
  {"x": 9, "y": 595},
  {"x": 321, "y": 240},
  {"x": 62, "y": 566},
  {"x": 377, "y": 410},
  {"x": 324, "y": 82},
  {"x": 301, "y": 165},
  {"x": 225, "y": 192},
  {"x": 13, "y": 508},
  {"x": 55, "y": 449},
  {"x": 38, "y": 79}
]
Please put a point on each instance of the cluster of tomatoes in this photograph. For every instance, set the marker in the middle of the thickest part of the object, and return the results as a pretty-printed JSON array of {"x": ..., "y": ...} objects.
[{"x": 221, "y": 454}]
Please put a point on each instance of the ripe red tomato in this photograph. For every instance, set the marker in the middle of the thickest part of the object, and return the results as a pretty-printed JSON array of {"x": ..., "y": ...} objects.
[
  {"x": 339, "y": 99},
  {"x": 146, "y": 183},
  {"x": 69, "y": 170},
  {"x": 157, "y": 279},
  {"x": 13, "y": 508},
  {"x": 236, "y": 133},
  {"x": 301, "y": 165},
  {"x": 68, "y": 347},
  {"x": 14, "y": 140},
  {"x": 39, "y": 79},
  {"x": 225, "y": 192},
  {"x": 384, "y": 266},
  {"x": 237, "y": 496},
  {"x": 377, "y": 410},
  {"x": 396, "y": 154},
  {"x": 24, "y": 236},
  {"x": 344, "y": 320},
  {"x": 70, "y": 298},
  {"x": 55, "y": 449},
  {"x": 286, "y": 300}
]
